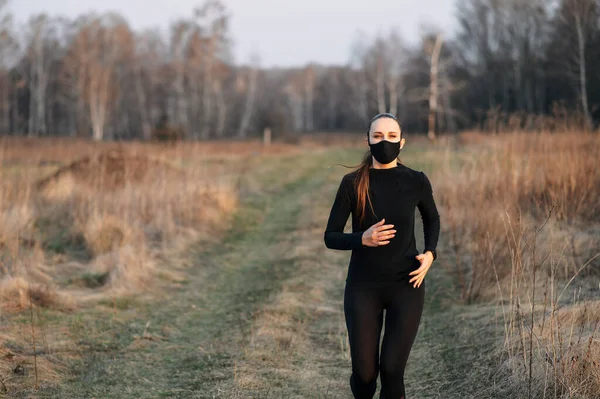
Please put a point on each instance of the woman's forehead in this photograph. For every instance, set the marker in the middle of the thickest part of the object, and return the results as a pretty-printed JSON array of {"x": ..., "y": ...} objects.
[{"x": 385, "y": 125}]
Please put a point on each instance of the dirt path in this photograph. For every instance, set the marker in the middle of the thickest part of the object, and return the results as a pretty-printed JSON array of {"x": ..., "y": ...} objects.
[
  {"x": 261, "y": 315},
  {"x": 299, "y": 347}
]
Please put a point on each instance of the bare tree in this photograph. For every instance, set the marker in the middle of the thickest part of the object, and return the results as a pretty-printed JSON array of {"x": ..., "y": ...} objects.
[
  {"x": 378, "y": 59},
  {"x": 250, "y": 92},
  {"x": 357, "y": 77},
  {"x": 96, "y": 77},
  {"x": 309, "y": 86},
  {"x": 42, "y": 52},
  {"x": 213, "y": 21},
  {"x": 221, "y": 107},
  {"x": 523, "y": 43},
  {"x": 150, "y": 59},
  {"x": 333, "y": 96},
  {"x": 480, "y": 38},
  {"x": 8, "y": 59},
  {"x": 180, "y": 37},
  {"x": 580, "y": 19},
  {"x": 396, "y": 53},
  {"x": 106, "y": 48},
  {"x": 143, "y": 56},
  {"x": 434, "y": 51},
  {"x": 294, "y": 90}
]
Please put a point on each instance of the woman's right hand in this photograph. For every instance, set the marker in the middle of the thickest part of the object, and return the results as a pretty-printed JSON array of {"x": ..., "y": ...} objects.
[{"x": 378, "y": 234}]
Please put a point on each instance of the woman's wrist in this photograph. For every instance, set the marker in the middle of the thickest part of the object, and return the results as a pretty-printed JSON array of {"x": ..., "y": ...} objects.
[{"x": 432, "y": 254}]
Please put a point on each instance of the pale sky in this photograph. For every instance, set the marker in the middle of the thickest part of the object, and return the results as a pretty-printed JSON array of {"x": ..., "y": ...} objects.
[{"x": 283, "y": 32}]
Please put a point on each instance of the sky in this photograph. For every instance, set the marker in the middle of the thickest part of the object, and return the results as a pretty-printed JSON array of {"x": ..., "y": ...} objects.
[{"x": 283, "y": 32}]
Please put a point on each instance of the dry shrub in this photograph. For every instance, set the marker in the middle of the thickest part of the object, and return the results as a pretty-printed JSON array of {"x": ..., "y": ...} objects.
[
  {"x": 17, "y": 215},
  {"x": 25, "y": 277},
  {"x": 130, "y": 268},
  {"x": 104, "y": 218},
  {"x": 15, "y": 234},
  {"x": 150, "y": 193},
  {"x": 559, "y": 357},
  {"x": 53, "y": 151},
  {"x": 557, "y": 171},
  {"x": 522, "y": 213},
  {"x": 515, "y": 182},
  {"x": 104, "y": 233},
  {"x": 60, "y": 188},
  {"x": 131, "y": 205},
  {"x": 106, "y": 170},
  {"x": 562, "y": 118},
  {"x": 551, "y": 327},
  {"x": 16, "y": 294},
  {"x": 14, "y": 220},
  {"x": 575, "y": 375},
  {"x": 19, "y": 371},
  {"x": 168, "y": 133},
  {"x": 471, "y": 137}
]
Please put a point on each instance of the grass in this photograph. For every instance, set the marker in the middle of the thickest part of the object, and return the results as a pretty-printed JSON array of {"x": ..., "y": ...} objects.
[
  {"x": 257, "y": 311},
  {"x": 521, "y": 221},
  {"x": 227, "y": 284}
]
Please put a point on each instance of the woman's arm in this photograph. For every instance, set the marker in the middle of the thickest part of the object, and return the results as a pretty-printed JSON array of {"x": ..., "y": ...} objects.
[
  {"x": 429, "y": 215},
  {"x": 334, "y": 235}
]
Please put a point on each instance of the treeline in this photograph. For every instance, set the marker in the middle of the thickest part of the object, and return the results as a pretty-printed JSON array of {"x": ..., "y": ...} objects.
[{"x": 511, "y": 62}]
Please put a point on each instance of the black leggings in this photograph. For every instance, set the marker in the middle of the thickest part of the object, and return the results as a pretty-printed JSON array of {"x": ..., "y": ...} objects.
[{"x": 363, "y": 307}]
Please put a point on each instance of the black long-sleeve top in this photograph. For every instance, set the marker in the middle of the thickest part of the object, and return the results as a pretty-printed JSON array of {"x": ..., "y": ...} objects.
[{"x": 395, "y": 194}]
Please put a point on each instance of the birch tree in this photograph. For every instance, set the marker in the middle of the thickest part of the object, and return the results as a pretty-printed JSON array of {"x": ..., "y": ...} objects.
[
  {"x": 294, "y": 93},
  {"x": 181, "y": 33},
  {"x": 434, "y": 50},
  {"x": 106, "y": 48},
  {"x": 8, "y": 59},
  {"x": 357, "y": 78},
  {"x": 578, "y": 24},
  {"x": 396, "y": 54},
  {"x": 213, "y": 21},
  {"x": 250, "y": 94},
  {"x": 309, "y": 87},
  {"x": 42, "y": 52}
]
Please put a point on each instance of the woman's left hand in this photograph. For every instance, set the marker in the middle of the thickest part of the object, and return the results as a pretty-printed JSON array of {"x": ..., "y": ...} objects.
[{"x": 426, "y": 259}]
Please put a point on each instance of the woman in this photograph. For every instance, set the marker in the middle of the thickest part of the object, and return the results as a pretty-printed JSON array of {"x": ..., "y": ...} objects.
[{"x": 386, "y": 271}]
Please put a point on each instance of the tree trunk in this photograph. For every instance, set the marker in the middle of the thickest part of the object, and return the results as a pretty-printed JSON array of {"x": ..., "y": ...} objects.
[
  {"x": 393, "y": 89},
  {"x": 363, "y": 92},
  {"x": 180, "y": 101},
  {"x": 332, "y": 101},
  {"x": 98, "y": 99},
  {"x": 207, "y": 89},
  {"x": 249, "y": 103},
  {"x": 308, "y": 92},
  {"x": 582, "y": 71},
  {"x": 221, "y": 109},
  {"x": 146, "y": 127},
  {"x": 380, "y": 80},
  {"x": 295, "y": 102},
  {"x": 5, "y": 98},
  {"x": 433, "y": 91}
]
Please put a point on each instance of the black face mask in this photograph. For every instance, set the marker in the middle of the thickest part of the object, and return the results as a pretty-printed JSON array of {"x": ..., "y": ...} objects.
[{"x": 385, "y": 151}]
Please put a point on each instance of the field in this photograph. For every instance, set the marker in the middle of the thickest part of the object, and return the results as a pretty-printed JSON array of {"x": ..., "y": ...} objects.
[{"x": 199, "y": 270}]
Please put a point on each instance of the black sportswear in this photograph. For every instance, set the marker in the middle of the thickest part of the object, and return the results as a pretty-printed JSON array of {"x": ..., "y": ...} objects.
[{"x": 395, "y": 194}]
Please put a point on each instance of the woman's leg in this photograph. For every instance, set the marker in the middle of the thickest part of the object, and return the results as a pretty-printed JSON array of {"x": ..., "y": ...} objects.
[
  {"x": 403, "y": 315},
  {"x": 363, "y": 308}
]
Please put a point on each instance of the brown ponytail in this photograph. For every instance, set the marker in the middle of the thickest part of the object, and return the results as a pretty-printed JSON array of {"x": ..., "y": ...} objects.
[{"x": 361, "y": 186}]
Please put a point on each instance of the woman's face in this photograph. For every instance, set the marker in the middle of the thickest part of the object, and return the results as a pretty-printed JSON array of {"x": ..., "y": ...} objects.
[{"x": 385, "y": 129}]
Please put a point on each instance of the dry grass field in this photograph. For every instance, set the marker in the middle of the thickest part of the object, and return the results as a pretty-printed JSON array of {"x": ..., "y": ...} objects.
[{"x": 198, "y": 270}]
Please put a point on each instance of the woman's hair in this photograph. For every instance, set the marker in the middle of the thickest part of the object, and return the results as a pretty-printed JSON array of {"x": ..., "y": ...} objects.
[{"x": 361, "y": 182}]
